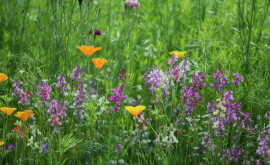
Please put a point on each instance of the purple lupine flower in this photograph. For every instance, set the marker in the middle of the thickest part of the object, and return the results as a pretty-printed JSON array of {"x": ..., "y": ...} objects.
[
  {"x": 81, "y": 96},
  {"x": 117, "y": 147},
  {"x": 191, "y": 94},
  {"x": 81, "y": 93},
  {"x": 45, "y": 148},
  {"x": 93, "y": 91},
  {"x": 237, "y": 79},
  {"x": 57, "y": 113},
  {"x": 76, "y": 75},
  {"x": 19, "y": 93},
  {"x": 236, "y": 153},
  {"x": 11, "y": 147},
  {"x": 263, "y": 147},
  {"x": 142, "y": 122},
  {"x": 123, "y": 76},
  {"x": 174, "y": 74},
  {"x": 117, "y": 96},
  {"x": 208, "y": 144},
  {"x": 224, "y": 112},
  {"x": 44, "y": 92},
  {"x": 97, "y": 32},
  {"x": 172, "y": 60},
  {"x": 233, "y": 155},
  {"x": 221, "y": 81},
  {"x": 184, "y": 68},
  {"x": 62, "y": 83},
  {"x": 155, "y": 77}
]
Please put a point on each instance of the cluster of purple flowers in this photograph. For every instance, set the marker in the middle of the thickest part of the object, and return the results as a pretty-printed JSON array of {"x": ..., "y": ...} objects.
[
  {"x": 9, "y": 147},
  {"x": 117, "y": 147},
  {"x": 184, "y": 67},
  {"x": 172, "y": 60},
  {"x": 263, "y": 147},
  {"x": 44, "y": 92},
  {"x": 93, "y": 91},
  {"x": 237, "y": 79},
  {"x": 155, "y": 77},
  {"x": 191, "y": 94},
  {"x": 57, "y": 112},
  {"x": 233, "y": 155},
  {"x": 224, "y": 112},
  {"x": 18, "y": 92},
  {"x": 62, "y": 83},
  {"x": 208, "y": 144},
  {"x": 76, "y": 75},
  {"x": 44, "y": 148},
  {"x": 221, "y": 80},
  {"x": 117, "y": 96},
  {"x": 81, "y": 94},
  {"x": 174, "y": 74},
  {"x": 123, "y": 76},
  {"x": 142, "y": 122}
]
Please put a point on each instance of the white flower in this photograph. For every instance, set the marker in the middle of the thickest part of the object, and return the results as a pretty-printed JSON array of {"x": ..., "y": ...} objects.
[{"x": 121, "y": 161}]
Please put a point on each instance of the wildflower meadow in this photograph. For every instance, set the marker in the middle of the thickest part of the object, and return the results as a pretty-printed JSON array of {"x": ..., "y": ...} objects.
[{"x": 134, "y": 82}]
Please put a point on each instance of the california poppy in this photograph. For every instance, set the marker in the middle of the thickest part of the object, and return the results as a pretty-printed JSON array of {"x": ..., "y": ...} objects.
[
  {"x": 1, "y": 143},
  {"x": 24, "y": 115},
  {"x": 7, "y": 110},
  {"x": 99, "y": 62},
  {"x": 88, "y": 50},
  {"x": 135, "y": 110},
  {"x": 3, "y": 77},
  {"x": 179, "y": 54}
]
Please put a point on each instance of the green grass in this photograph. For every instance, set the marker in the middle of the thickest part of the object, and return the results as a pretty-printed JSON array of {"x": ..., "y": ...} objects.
[{"x": 38, "y": 42}]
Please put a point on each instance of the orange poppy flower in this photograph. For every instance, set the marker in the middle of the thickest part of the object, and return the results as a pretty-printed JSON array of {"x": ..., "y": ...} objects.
[
  {"x": 3, "y": 77},
  {"x": 24, "y": 115},
  {"x": 88, "y": 50},
  {"x": 179, "y": 54},
  {"x": 99, "y": 62},
  {"x": 7, "y": 110},
  {"x": 135, "y": 110},
  {"x": 1, "y": 143}
]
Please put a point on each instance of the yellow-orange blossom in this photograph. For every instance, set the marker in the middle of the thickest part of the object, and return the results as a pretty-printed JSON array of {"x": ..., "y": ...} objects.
[
  {"x": 88, "y": 50},
  {"x": 24, "y": 115},
  {"x": 7, "y": 110},
  {"x": 3, "y": 77},
  {"x": 99, "y": 62},
  {"x": 135, "y": 110}
]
